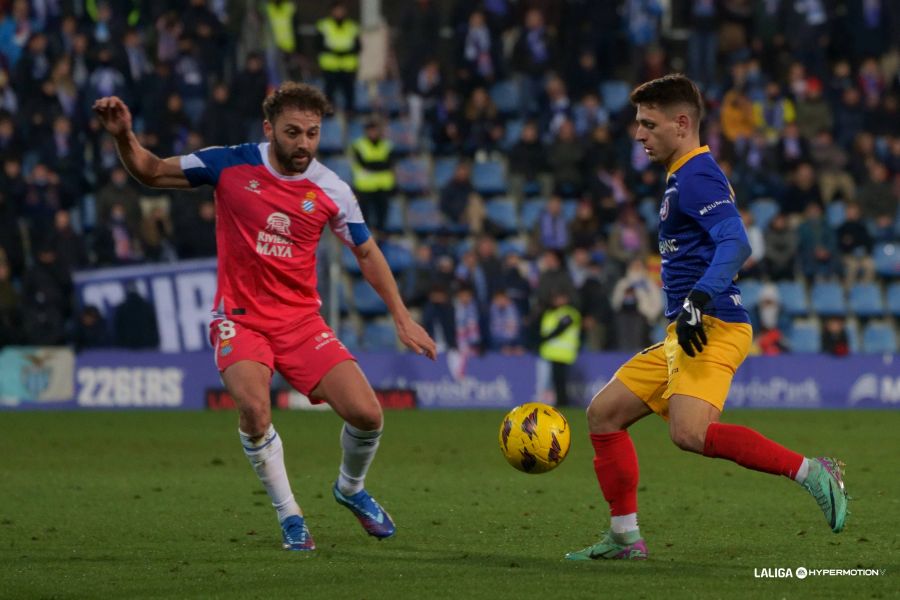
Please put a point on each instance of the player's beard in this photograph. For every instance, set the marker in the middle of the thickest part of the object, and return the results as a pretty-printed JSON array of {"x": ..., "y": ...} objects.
[{"x": 291, "y": 161}]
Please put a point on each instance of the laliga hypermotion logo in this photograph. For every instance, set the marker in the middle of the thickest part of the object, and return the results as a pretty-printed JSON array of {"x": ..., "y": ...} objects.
[{"x": 279, "y": 223}]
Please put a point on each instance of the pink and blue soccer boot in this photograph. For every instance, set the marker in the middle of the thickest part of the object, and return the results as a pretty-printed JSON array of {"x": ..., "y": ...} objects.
[
  {"x": 373, "y": 518},
  {"x": 296, "y": 535}
]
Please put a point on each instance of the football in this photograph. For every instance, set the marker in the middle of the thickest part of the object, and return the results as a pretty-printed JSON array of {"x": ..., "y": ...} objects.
[{"x": 534, "y": 437}]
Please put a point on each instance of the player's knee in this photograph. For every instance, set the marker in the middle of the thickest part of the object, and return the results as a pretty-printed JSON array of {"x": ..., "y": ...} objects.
[
  {"x": 367, "y": 420},
  {"x": 601, "y": 416},
  {"x": 689, "y": 439}
]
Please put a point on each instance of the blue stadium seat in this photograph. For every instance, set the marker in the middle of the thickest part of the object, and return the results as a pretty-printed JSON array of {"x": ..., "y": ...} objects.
[
  {"x": 749, "y": 292},
  {"x": 502, "y": 213},
  {"x": 363, "y": 102},
  {"x": 390, "y": 97},
  {"x": 443, "y": 171},
  {"x": 865, "y": 300},
  {"x": 893, "y": 299},
  {"x": 649, "y": 211},
  {"x": 805, "y": 338},
  {"x": 366, "y": 300},
  {"x": 511, "y": 246},
  {"x": 349, "y": 336},
  {"x": 828, "y": 299},
  {"x": 763, "y": 211},
  {"x": 332, "y": 137},
  {"x": 341, "y": 167},
  {"x": 512, "y": 134},
  {"x": 887, "y": 259},
  {"x": 379, "y": 335},
  {"x": 569, "y": 208},
  {"x": 834, "y": 214},
  {"x": 658, "y": 332},
  {"x": 531, "y": 210},
  {"x": 507, "y": 96},
  {"x": 401, "y": 134},
  {"x": 614, "y": 93},
  {"x": 879, "y": 338},
  {"x": 852, "y": 337},
  {"x": 398, "y": 256},
  {"x": 793, "y": 298},
  {"x": 413, "y": 175},
  {"x": 348, "y": 261},
  {"x": 355, "y": 129},
  {"x": 489, "y": 178},
  {"x": 424, "y": 216},
  {"x": 395, "y": 219}
]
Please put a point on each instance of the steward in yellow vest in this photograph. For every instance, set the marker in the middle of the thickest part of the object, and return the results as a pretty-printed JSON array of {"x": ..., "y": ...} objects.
[
  {"x": 339, "y": 53},
  {"x": 560, "y": 342},
  {"x": 373, "y": 174}
]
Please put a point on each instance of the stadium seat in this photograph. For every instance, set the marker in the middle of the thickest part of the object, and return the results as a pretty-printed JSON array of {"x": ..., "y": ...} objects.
[
  {"x": 507, "y": 96},
  {"x": 828, "y": 299},
  {"x": 763, "y": 211},
  {"x": 865, "y": 300},
  {"x": 749, "y": 292},
  {"x": 649, "y": 211},
  {"x": 614, "y": 93},
  {"x": 363, "y": 102},
  {"x": 887, "y": 259},
  {"x": 834, "y": 214},
  {"x": 424, "y": 216},
  {"x": 348, "y": 261},
  {"x": 489, "y": 178},
  {"x": 395, "y": 219},
  {"x": 390, "y": 97},
  {"x": 402, "y": 135},
  {"x": 512, "y": 134},
  {"x": 349, "y": 336},
  {"x": 501, "y": 212},
  {"x": 511, "y": 246},
  {"x": 355, "y": 129},
  {"x": 893, "y": 299},
  {"x": 569, "y": 208},
  {"x": 443, "y": 171},
  {"x": 793, "y": 298},
  {"x": 341, "y": 167},
  {"x": 879, "y": 338},
  {"x": 332, "y": 137},
  {"x": 805, "y": 338},
  {"x": 531, "y": 210},
  {"x": 398, "y": 256},
  {"x": 366, "y": 300},
  {"x": 379, "y": 335},
  {"x": 413, "y": 176},
  {"x": 853, "y": 336}
]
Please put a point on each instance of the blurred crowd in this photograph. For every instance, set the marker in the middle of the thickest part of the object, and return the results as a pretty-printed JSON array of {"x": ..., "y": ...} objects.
[{"x": 802, "y": 102}]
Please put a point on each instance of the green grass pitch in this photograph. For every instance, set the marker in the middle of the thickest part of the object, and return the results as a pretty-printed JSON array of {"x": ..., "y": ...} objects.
[{"x": 164, "y": 505}]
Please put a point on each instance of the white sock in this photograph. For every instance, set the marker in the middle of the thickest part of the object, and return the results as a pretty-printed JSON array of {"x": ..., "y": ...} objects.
[
  {"x": 803, "y": 471},
  {"x": 266, "y": 456},
  {"x": 359, "y": 450},
  {"x": 624, "y": 523}
]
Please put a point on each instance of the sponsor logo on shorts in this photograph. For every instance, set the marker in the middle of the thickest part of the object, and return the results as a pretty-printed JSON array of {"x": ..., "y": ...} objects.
[{"x": 323, "y": 339}]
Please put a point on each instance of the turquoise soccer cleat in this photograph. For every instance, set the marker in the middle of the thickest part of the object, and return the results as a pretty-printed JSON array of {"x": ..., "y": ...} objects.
[
  {"x": 373, "y": 518},
  {"x": 296, "y": 535},
  {"x": 825, "y": 483},
  {"x": 626, "y": 546}
]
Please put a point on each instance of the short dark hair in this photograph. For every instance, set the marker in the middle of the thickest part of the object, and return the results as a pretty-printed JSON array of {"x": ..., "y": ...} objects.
[
  {"x": 301, "y": 96},
  {"x": 668, "y": 91}
]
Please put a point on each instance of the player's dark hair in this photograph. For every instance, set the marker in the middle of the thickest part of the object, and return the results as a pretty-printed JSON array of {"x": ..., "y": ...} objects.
[
  {"x": 300, "y": 96},
  {"x": 669, "y": 91}
]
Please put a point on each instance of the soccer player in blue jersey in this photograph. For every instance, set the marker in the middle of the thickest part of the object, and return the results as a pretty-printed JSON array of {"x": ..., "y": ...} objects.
[{"x": 685, "y": 378}]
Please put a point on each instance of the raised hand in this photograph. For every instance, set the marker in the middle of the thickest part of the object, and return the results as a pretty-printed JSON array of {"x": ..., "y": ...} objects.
[{"x": 114, "y": 115}]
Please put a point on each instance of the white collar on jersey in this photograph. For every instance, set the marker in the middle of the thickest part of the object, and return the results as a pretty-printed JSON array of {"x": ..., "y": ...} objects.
[{"x": 264, "y": 151}]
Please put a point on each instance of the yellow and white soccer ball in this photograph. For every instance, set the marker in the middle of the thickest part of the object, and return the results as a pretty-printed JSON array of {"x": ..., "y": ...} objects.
[{"x": 534, "y": 437}]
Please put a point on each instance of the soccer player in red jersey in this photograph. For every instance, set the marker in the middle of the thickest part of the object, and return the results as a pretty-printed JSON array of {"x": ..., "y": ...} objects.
[{"x": 273, "y": 201}]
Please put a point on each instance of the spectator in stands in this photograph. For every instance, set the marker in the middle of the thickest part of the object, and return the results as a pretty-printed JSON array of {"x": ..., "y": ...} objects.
[
  {"x": 557, "y": 107},
  {"x": 584, "y": 230},
  {"x": 373, "y": 173},
  {"x": 781, "y": 249},
  {"x": 769, "y": 322},
  {"x": 505, "y": 325},
  {"x": 802, "y": 191},
  {"x": 534, "y": 54},
  {"x": 637, "y": 303},
  {"x": 483, "y": 127},
  {"x": 479, "y": 53},
  {"x": 585, "y": 77},
  {"x": 10, "y": 307},
  {"x": 813, "y": 111},
  {"x": 417, "y": 280},
  {"x": 551, "y": 232},
  {"x": 461, "y": 205},
  {"x": 848, "y": 116},
  {"x": 134, "y": 323},
  {"x": 566, "y": 156},
  {"x": 831, "y": 162},
  {"x": 339, "y": 54},
  {"x": 628, "y": 239},
  {"x": 855, "y": 244},
  {"x": 773, "y": 112},
  {"x": 448, "y": 125},
  {"x": 469, "y": 340},
  {"x": 817, "y": 245},
  {"x": 589, "y": 114},
  {"x": 527, "y": 162},
  {"x": 47, "y": 299},
  {"x": 514, "y": 283},
  {"x": 792, "y": 149},
  {"x": 593, "y": 298},
  {"x": 67, "y": 243},
  {"x": 553, "y": 277},
  {"x": 11, "y": 144},
  {"x": 114, "y": 240},
  {"x": 156, "y": 235},
  {"x": 420, "y": 23},
  {"x": 253, "y": 84},
  {"x": 202, "y": 240},
  {"x": 438, "y": 316},
  {"x": 91, "y": 330},
  {"x": 43, "y": 198},
  {"x": 834, "y": 336},
  {"x": 736, "y": 114},
  {"x": 875, "y": 197},
  {"x": 753, "y": 265},
  {"x": 217, "y": 124}
]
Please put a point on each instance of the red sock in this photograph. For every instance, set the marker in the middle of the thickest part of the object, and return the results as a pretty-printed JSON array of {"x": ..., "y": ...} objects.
[
  {"x": 616, "y": 466},
  {"x": 750, "y": 449}
]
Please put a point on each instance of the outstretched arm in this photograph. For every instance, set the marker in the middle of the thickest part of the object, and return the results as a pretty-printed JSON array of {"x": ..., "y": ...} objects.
[
  {"x": 143, "y": 165},
  {"x": 377, "y": 272}
]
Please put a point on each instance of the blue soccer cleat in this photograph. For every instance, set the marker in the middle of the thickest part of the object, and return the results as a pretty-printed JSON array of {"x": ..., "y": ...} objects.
[
  {"x": 373, "y": 518},
  {"x": 296, "y": 535}
]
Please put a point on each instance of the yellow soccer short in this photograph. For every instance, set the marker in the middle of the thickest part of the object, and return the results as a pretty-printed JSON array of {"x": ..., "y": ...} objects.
[{"x": 657, "y": 372}]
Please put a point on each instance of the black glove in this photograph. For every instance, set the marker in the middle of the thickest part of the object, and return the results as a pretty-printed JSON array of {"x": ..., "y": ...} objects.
[{"x": 689, "y": 324}]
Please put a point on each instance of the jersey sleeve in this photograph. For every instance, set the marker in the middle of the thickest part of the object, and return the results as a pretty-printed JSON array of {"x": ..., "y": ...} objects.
[
  {"x": 203, "y": 167},
  {"x": 707, "y": 198},
  {"x": 348, "y": 223}
]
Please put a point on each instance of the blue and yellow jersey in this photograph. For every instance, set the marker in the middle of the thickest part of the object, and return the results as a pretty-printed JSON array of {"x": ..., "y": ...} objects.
[{"x": 702, "y": 240}]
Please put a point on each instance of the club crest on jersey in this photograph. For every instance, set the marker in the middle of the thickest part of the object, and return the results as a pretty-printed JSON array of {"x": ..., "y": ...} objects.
[
  {"x": 309, "y": 203},
  {"x": 253, "y": 186},
  {"x": 664, "y": 209}
]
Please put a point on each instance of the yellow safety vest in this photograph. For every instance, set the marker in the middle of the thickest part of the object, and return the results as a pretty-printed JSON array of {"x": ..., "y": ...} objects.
[
  {"x": 367, "y": 180},
  {"x": 340, "y": 40},
  {"x": 564, "y": 347},
  {"x": 281, "y": 16}
]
